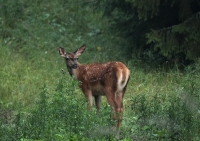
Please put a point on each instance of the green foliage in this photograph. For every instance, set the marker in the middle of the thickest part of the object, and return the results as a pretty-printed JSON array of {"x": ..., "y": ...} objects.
[
  {"x": 43, "y": 26},
  {"x": 146, "y": 8},
  {"x": 11, "y": 13},
  {"x": 156, "y": 26},
  {"x": 20, "y": 77},
  {"x": 158, "y": 106},
  {"x": 60, "y": 115},
  {"x": 165, "y": 117},
  {"x": 164, "y": 106},
  {"x": 177, "y": 39},
  {"x": 38, "y": 102}
]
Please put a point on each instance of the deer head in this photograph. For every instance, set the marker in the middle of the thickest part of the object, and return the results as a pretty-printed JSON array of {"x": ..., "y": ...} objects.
[{"x": 71, "y": 58}]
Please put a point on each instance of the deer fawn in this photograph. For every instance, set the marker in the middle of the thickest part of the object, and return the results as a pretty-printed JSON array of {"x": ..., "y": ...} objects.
[{"x": 109, "y": 79}]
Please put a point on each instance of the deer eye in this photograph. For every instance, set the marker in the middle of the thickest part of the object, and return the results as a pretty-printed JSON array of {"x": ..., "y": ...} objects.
[{"x": 72, "y": 59}]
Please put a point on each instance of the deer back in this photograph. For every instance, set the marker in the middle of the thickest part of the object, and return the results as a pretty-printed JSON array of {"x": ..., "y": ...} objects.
[{"x": 96, "y": 77}]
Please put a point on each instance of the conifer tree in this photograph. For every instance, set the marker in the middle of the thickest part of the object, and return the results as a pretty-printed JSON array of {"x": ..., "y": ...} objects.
[{"x": 169, "y": 27}]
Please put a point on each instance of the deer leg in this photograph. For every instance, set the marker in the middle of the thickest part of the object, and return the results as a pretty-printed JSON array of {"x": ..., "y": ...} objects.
[
  {"x": 88, "y": 95},
  {"x": 97, "y": 102},
  {"x": 111, "y": 100},
  {"x": 119, "y": 110},
  {"x": 112, "y": 104},
  {"x": 90, "y": 103}
]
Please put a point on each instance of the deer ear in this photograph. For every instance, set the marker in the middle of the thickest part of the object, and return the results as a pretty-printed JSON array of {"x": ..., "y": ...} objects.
[
  {"x": 80, "y": 50},
  {"x": 62, "y": 52}
]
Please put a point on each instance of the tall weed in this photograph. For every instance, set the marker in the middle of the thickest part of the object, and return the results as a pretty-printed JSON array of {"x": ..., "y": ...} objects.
[
  {"x": 168, "y": 111},
  {"x": 60, "y": 115}
]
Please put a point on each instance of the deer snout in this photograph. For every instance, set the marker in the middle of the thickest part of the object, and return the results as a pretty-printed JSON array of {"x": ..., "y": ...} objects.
[{"x": 74, "y": 66}]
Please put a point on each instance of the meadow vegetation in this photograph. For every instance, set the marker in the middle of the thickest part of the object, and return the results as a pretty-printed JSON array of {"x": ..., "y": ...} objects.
[{"x": 39, "y": 101}]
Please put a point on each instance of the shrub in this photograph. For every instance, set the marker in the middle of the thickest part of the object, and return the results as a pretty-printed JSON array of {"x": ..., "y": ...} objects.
[{"x": 61, "y": 115}]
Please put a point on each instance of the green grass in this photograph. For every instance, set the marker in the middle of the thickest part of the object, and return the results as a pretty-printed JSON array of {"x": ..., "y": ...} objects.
[
  {"x": 38, "y": 102},
  {"x": 22, "y": 77}
]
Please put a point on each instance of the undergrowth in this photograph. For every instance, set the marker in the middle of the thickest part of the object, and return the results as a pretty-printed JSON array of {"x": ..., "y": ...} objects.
[
  {"x": 61, "y": 114},
  {"x": 38, "y": 102},
  {"x": 158, "y": 105}
]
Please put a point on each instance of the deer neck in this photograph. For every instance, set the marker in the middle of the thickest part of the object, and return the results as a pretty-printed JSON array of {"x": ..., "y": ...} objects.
[{"x": 74, "y": 72}]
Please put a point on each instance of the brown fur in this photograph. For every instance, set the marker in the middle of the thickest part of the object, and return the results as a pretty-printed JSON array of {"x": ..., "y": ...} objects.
[{"x": 109, "y": 79}]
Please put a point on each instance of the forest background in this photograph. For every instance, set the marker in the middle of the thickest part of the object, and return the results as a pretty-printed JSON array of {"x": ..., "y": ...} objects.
[{"x": 158, "y": 41}]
